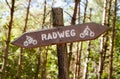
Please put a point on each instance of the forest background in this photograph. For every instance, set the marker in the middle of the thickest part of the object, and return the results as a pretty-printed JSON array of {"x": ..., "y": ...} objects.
[{"x": 96, "y": 59}]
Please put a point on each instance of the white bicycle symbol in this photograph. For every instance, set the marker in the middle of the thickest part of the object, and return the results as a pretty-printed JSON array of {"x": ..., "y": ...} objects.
[
  {"x": 29, "y": 40},
  {"x": 87, "y": 32}
]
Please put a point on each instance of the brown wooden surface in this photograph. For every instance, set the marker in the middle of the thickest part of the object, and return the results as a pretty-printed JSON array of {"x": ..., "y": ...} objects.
[
  {"x": 63, "y": 72},
  {"x": 94, "y": 29}
]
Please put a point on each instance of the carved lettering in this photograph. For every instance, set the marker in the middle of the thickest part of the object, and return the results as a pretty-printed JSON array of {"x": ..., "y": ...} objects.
[{"x": 55, "y": 35}]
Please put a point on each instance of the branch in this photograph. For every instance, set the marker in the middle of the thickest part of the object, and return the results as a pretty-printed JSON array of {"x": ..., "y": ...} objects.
[
  {"x": 68, "y": 14},
  {"x": 8, "y": 4}
]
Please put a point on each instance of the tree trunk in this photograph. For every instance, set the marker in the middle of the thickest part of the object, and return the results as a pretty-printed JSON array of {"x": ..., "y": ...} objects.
[
  {"x": 84, "y": 18},
  {"x": 73, "y": 23},
  {"x": 44, "y": 15},
  {"x": 85, "y": 10},
  {"x": 38, "y": 64},
  {"x": 79, "y": 53},
  {"x": 75, "y": 12},
  {"x": 27, "y": 14},
  {"x": 87, "y": 55},
  {"x": 87, "y": 61},
  {"x": 21, "y": 50},
  {"x": 112, "y": 41},
  {"x": 43, "y": 74},
  {"x": 76, "y": 63},
  {"x": 6, "y": 52},
  {"x": 61, "y": 48},
  {"x": 103, "y": 43},
  {"x": 19, "y": 64},
  {"x": 43, "y": 66}
]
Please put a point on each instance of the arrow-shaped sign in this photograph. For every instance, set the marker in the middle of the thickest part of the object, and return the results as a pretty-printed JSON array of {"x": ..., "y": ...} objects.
[{"x": 66, "y": 34}]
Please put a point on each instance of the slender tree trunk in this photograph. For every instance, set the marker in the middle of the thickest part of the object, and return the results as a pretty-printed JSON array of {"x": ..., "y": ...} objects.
[
  {"x": 112, "y": 42},
  {"x": 27, "y": 14},
  {"x": 85, "y": 10},
  {"x": 5, "y": 59},
  {"x": 19, "y": 65},
  {"x": 87, "y": 61},
  {"x": 43, "y": 65},
  {"x": 84, "y": 18},
  {"x": 79, "y": 67},
  {"x": 79, "y": 53},
  {"x": 61, "y": 48},
  {"x": 87, "y": 55},
  {"x": 76, "y": 62},
  {"x": 103, "y": 43},
  {"x": 73, "y": 22},
  {"x": 44, "y": 15},
  {"x": 106, "y": 39},
  {"x": 21, "y": 50},
  {"x": 109, "y": 13},
  {"x": 43, "y": 74},
  {"x": 75, "y": 12},
  {"x": 38, "y": 63}
]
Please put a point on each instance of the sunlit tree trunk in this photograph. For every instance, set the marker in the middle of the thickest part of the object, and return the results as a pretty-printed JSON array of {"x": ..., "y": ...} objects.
[
  {"x": 43, "y": 66},
  {"x": 85, "y": 76},
  {"x": 84, "y": 18},
  {"x": 43, "y": 74},
  {"x": 79, "y": 53},
  {"x": 112, "y": 42},
  {"x": 73, "y": 23},
  {"x": 19, "y": 64},
  {"x": 38, "y": 63},
  {"x": 77, "y": 62},
  {"x": 85, "y": 10},
  {"x": 87, "y": 55},
  {"x": 103, "y": 43},
  {"x": 44, "y": 57},
  {"x": 6, "y": 52}
]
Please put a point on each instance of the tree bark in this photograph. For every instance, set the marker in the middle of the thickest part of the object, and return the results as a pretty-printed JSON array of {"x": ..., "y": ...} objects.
[
  {"x": 27, "y": 14},
  {"x": 61, "y": 48},
  {"x": 43, "y": 74},
  {"x": 39, "y": 57},
  {"x": 112, "y": 42},
  {"x": 6, "y": 52},
  {"x": 75, "y": 12},
  {"x": 38, "y": 64},
  {"x": 76, "y": 62},
  {"x": 19, "y": 64},
  {"x": 84, "y": 18},
  {"x": 73, "y": 22},
  {"x": 44, "y": 15},
  {"x": 87, "y": 54},
  {"x": 103, "y": 43},
  {"x": 85, "y": 10},
  {"x": 87, "y": 61},
  {"x": 79, "y": 53}
]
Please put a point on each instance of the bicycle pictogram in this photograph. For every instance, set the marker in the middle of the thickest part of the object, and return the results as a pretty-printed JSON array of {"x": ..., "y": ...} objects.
[
  {"x": 87, "y": 32},
  {"x": 29, "y": 40}
]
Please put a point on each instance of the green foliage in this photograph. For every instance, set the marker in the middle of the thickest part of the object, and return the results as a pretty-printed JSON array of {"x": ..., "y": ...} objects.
[
  {"x": 117, "y": 35},
  {"x": 52, "y": 63},
  {"x": 105, "y": 75}
]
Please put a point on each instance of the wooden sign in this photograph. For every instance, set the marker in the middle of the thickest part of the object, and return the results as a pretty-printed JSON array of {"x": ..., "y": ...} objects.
[{"x": 66, "y": 34}]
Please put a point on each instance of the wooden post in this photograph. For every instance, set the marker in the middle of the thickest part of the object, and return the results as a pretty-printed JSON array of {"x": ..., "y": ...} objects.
[{"x": 57, "y": 14}]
